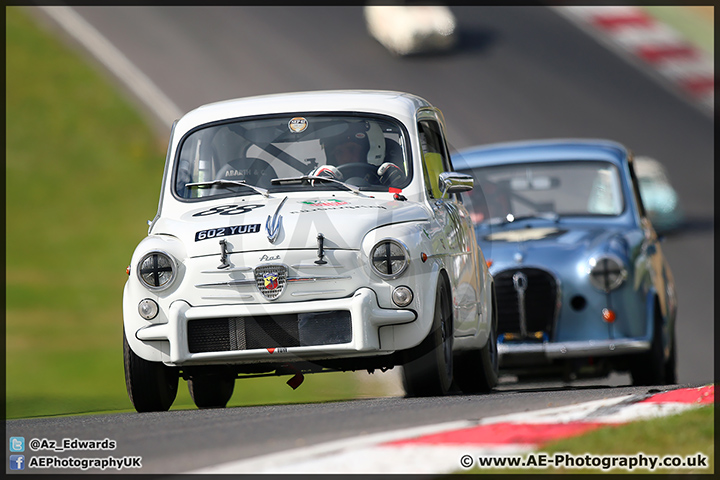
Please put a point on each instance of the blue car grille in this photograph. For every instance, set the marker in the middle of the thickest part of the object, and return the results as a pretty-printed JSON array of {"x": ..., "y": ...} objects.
[{"x": 540, "y": 301}]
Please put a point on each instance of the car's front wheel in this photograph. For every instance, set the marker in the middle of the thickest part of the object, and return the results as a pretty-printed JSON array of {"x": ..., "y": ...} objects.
[
  {"x": 428, "y": 368},
  {"x": 476, "y": 371},
  {"x": 211, "y": 390},
  {"x": 151, "y": 386}
]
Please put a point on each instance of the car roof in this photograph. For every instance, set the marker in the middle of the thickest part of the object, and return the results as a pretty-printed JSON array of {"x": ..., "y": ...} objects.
[
  {"x": 540, "y": 150},
  {"x": 396, "y": 104}
]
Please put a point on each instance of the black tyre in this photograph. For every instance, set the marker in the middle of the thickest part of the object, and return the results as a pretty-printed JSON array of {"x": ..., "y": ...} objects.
[
  {"x": 211, "y": 390},
  {"x": 428, "y": 368},
  {"x": 151, "y": 386},
  {"x": 650, "y": 368},
  {"x": 476, "y": 371},
  {"x": 671, "y": 365}
]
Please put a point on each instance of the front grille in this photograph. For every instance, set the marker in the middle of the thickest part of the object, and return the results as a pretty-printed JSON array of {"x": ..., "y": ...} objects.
[
  {"x": 270, "y": 331},
  {"x": 540, "y": 301},
  {"x": 271, "y": 280}
]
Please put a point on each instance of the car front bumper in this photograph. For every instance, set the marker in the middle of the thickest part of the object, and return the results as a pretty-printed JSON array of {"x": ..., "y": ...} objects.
[
  {"x": 515, "y": 353},
  {"x": 365, "y": 319}
]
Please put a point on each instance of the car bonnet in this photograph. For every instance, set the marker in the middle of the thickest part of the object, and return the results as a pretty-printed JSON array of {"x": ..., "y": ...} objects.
[{"x": 284, "y": 222}]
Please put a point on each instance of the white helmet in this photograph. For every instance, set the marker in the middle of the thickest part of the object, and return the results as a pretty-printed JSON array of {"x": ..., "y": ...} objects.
[{"x": 376, "y": 139}]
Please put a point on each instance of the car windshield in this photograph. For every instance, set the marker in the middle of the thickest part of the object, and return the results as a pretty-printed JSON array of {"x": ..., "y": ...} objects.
[
  {"x": 550, "y": 190},
  {"x": 274, "y": 154}
]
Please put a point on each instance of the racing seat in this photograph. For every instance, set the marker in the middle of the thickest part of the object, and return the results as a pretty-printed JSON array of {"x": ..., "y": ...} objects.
[{"x": 250, "y": 170}]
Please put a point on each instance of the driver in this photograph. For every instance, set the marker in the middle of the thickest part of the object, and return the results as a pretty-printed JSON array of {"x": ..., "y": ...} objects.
[
  {"x": 353, "y": 147},
  {"x": 349, "y": 147}
]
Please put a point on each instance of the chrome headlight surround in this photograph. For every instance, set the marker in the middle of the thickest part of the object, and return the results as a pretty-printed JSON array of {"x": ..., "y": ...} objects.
[
  {"x": 389, "y": 258},
  {"x": 156, "y": 270},
  {"x": 607, "y": 272}
]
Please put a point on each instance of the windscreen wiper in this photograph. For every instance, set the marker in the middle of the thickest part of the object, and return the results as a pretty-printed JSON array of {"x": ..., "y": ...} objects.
[
  {"x": 226, "y": 183},
  {"x": 278, "y": 181}
]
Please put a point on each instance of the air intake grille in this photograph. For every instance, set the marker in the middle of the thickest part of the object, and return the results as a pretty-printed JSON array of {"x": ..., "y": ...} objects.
[
  {"x": 540, "y": 301},
  {"x": 271, "y": 331}
]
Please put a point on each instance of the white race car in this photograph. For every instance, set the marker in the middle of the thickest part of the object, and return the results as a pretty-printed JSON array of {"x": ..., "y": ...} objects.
[
  {"x": 411, "y": 29},
  {"x": 308, "y": 232}
]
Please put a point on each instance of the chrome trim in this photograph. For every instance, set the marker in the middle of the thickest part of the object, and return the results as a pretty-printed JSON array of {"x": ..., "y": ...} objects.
[
  {"x": 272, "y": 224},
  {"x": 315, "y": 279},
  {"x": 227, "y": 297},
  {"x": 520, "y": 282},
  {"x": 237, "y": 283},
  {"x": 320, "y": 292},
  {"x": 231, "y": 283},
  {"x": 440, "y": 255},
  {"x": 573, "y": 349}
]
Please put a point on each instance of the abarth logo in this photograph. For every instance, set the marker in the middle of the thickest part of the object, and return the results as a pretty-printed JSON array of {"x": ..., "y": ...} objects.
[{"x": 271, "y": 280}]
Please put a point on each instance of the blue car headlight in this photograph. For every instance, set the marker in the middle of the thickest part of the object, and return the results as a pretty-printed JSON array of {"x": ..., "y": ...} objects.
[{"x": 607, "y": 272}]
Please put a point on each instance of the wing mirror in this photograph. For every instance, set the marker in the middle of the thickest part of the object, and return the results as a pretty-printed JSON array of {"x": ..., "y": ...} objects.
[{"x": 454, "y": 182}]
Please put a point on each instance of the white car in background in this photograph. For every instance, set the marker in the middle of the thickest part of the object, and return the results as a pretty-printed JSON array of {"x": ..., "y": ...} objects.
[
  {"x": 271, "y": 256},
  {"x": 412, "y": 29}
]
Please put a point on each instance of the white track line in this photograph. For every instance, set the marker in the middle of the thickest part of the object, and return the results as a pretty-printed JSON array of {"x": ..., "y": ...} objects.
[{"x": 105, "y": 52}]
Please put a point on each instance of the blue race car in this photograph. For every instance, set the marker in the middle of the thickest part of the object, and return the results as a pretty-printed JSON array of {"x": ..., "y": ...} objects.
[{"x": 583, "y": 288}]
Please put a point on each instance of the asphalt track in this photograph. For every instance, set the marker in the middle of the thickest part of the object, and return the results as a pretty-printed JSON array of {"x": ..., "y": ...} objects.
[{"x": 518, "y": 72}]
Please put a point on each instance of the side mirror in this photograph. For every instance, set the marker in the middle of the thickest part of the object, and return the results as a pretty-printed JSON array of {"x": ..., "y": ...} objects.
[{"x": 454, "y": 182}]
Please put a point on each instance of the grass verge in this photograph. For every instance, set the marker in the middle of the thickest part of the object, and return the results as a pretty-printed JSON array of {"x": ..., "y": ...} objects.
[{"x": 695, "y": 23}]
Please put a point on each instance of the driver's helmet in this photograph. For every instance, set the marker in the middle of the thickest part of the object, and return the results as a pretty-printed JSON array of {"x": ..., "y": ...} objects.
[{"x": 367, "y": 134}]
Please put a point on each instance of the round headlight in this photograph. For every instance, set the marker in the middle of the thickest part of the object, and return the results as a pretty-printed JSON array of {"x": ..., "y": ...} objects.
[
  {"x": 389, "y": 258},
  {"x": 607, "y": 273},
  {"x": 148, "y": 309},
  {"x": 402, "y": 296},
  {"x": 156, "y": 270}
]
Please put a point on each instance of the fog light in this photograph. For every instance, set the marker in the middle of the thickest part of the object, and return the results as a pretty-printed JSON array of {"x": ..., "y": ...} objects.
[
  {"x": 402, "y": 296},
  {"x": 608, "y": 315},
  {"x": 148, "y": 309}
]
